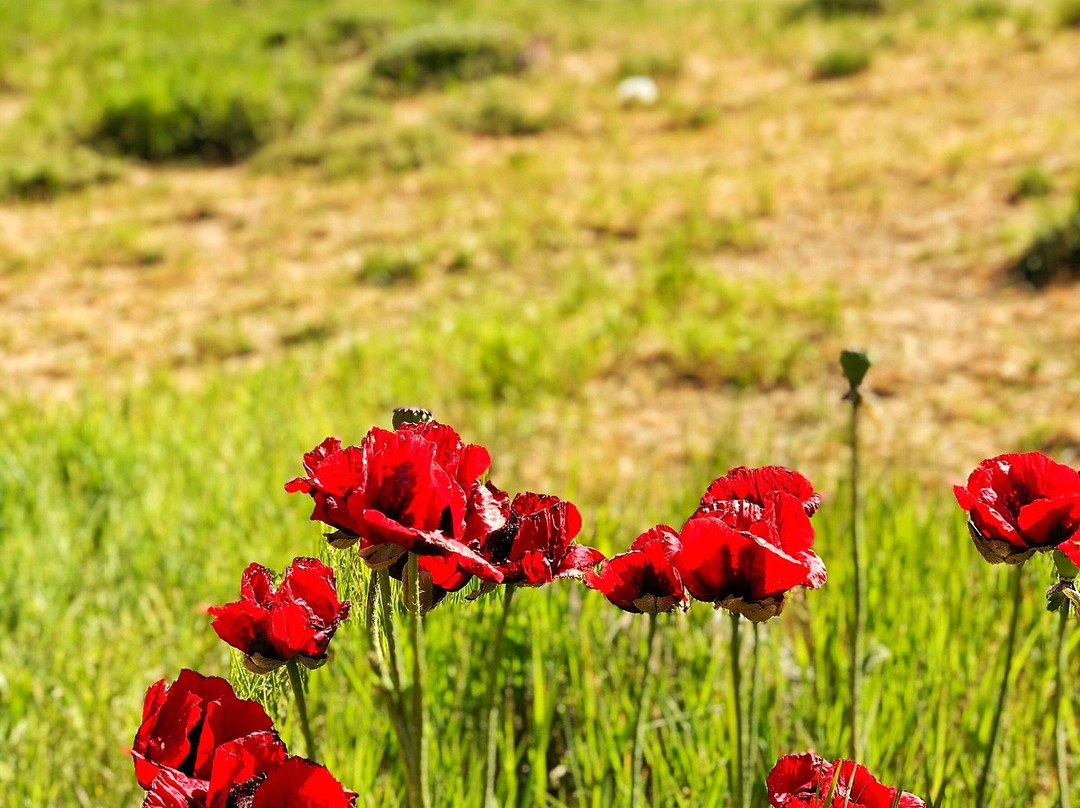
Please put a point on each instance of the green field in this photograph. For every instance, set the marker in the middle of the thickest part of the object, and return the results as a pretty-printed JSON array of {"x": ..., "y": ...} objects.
[{"x": 217, "y": 249}]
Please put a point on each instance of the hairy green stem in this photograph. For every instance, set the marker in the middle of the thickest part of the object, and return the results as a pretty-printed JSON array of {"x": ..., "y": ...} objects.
[
  {"x": 391, "y": 640},
  {"x": 379, "y": 591},
  {"x": 752, "y": 735},
  {"x": 643, "y": 707},
  {"x": 858, "y": 619},
  {"x": 736, "y": 689},
  {"x": 1003, "y": 689},
  {"x": 416, "y": 636},
  {"x": 1061, "y": 732},
  {"x": 301, "y": 706},
  {"x": 495, "y": 667}
]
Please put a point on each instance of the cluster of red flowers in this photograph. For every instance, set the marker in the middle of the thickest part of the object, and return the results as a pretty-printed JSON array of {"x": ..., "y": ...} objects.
[
  {"x": 199, "y": 746},
  {"x": 421, "y": 489},
  {"x": 808, "y": 781},
  {"x": 1020, "y": 504},
  {"x": 748, "y": 544}
]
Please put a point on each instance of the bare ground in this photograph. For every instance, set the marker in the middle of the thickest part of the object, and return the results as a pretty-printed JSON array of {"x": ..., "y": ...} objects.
[{"x": 891, "y": 187}]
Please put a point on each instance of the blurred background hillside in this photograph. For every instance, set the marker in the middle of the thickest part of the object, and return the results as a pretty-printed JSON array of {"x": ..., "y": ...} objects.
[{"x": 229, "y": 228}]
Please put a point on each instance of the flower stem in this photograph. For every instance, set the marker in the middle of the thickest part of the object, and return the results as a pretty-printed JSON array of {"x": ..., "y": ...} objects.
[
  {"x": 493, "y": 702},
  {"x": 301, "y": 706},
  {"x": 388, "y": 628},
  {"x": 736, "y": 687},
  {"x": 416, "y": 635},
  {"x": 643, "y": 707},
  {"x": 1010, "y": 645},
  {"x": 858, "y": 619},
  {"x": 379, "y": 590},
  {"x": 752, "y": 744},
  {"x": 1061, "y": 734}
]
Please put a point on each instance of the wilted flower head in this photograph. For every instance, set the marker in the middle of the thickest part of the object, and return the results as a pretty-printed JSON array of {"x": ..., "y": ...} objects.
[
  {"x": 750, "y": 542},
  {"x": 271, "y": 625},
  {"x": 1019, "y": 504},
  {"x": 643, "y": 579},
  {"x": 806, "y": 780}
]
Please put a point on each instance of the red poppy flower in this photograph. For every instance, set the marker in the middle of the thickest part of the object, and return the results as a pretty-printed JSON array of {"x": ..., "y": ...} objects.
[
  {"x": 745, "y": 557},
  {"x": 186, "y": 722},
  {"x": 536, "y": 544},
  {"x": 804, "y": 781},
  {"x": 752, "y": 485},
  {"x": 299, "y": 783},
  {"x": 1018, "y": 504},
  {"x": 643, "y": 579},
  {"x": 237, "y": 767},
  {"x": 414, "y": 489},
  {"x": 272, "y": 625}
]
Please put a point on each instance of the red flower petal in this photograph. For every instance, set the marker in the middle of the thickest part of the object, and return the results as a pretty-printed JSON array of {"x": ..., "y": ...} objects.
[
  {"x": 795, "y": 777},
  {"x": 241, "y": 760},
  {"x": 754, "y": 484},
  {"x": 1024, "y": 500},
  {"x": 718, "y": 562},
  {"x": 299, "y": 783},
  {"x": 183, "y": 723},
  {"x": 642, "y": 573}
]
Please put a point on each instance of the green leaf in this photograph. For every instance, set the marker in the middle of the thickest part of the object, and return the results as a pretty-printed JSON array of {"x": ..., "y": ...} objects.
[
  {"x": 1065, "y": 567},
  {"x": 854, "y": 364}
]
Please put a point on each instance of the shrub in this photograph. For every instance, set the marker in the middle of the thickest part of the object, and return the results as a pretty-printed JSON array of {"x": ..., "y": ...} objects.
[
  {"x": 988, "y": 11},
  {"x": 434, "y": 55},
  {"x": 39, "y": 177},
  {"x": 840, "y": 63},
  {"x": 498, "y": 113},
  {"x": 212, "y": 105},
  {"x": 1053, "y": 257},
  {"x": 1032, "y": 182},
  {"x": 390, "y": 268},
  {"x": 837, "y": 8},
  {"x": 1069, "y": 14}
]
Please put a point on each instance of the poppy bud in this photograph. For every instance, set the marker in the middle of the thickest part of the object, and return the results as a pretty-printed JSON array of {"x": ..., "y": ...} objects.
[{"x": 411, "y": 415}]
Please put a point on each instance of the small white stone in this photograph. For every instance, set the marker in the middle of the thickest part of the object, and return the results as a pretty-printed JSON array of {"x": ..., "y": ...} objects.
[{"x": 638, "y": 90}]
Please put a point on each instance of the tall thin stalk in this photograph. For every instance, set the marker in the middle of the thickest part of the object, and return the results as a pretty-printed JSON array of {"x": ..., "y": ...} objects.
[
  {"x": 855, "y": 364},
  {"x": 1061, "y": 695},
  {"x": 301, "y": 706},
  {"x": 643, "y": 706},
  {"x": 416, "y": 636},
  {"x": 495, "y": 666},
  {"x": 1003, "y": 689},
  {"x": 752, "y": 722},
  {"x": 390, "y": 686},
  {"x": 736, "y": 689}
]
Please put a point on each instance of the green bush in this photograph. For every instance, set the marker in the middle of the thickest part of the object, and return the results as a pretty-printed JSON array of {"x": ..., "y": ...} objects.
[
  {"x": 390, "y": 268},
  {"x": 1053, "y": 257},
  {"x": 840, "y": 63},
  {"x": 435, "y": 55},
  {"x": 838, "y": 8},
  {"x": 1069, "y": 14},
  {"x": 1031, "y": 183},
  {"x": 498, "y": 114},
  {"x": 39, "y": 177},
  {"x": 216, "y": 102}
]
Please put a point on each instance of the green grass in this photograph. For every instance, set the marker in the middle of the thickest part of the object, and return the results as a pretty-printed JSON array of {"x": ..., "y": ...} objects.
[
  {"x": 840, "y": 63},
  {"x": 123, "y": 517},
  {"x": 521, "y": 302},
  {"x": 120, "y": 521}
]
